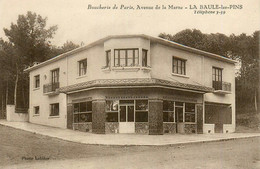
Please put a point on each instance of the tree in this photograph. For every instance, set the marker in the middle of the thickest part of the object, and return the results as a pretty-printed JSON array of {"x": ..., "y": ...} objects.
[
  {"x": 30, "y": 40},
  {"x": 68, "y": 46}
]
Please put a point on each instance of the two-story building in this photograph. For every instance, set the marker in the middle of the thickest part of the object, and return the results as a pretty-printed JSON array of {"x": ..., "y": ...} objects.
[{"x": 134, "y": 84}]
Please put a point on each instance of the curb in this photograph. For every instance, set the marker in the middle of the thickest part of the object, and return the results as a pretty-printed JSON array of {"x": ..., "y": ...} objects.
[{"x": 133, "y": 145}]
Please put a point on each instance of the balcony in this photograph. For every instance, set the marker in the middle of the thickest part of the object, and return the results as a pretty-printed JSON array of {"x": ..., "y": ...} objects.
[
  {"x": 51, "y": 88},
  {"x": 222, "y": 87}
]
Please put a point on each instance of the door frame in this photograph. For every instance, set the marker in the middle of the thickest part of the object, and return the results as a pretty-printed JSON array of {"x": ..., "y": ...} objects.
[{"x": 127, "y": 123}]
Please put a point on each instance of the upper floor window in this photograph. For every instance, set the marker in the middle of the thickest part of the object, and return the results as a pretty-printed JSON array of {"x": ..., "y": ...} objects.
[
  {"x": 144, "y": 58},
  {"x": 217, "y": 78},
  {"x": 126, "y": 57},
  {"x": 55, "y": 75},
  {"x": 178, "y": 66},
  {"x": 108, "y": 58},
  {"x": 55, "y": 109},
  {"x": 37, "y": 81},
  {"x": 83, "y": 67}
]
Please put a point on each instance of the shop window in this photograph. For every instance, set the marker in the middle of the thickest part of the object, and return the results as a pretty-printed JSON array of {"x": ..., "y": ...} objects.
[
  {"x": 112, "y": 117},
  {"x": 82, "y": 112},
  {"x": 189, "y": 112},
  {"x": 168, "y": 111},
  {"x": 141, "y": 105},
  {"x": 112, "y": 110},
  {"x": 141, "y": 111},
  {"x": 54, "y": 109},
  {"x": 141, "y": 116}
]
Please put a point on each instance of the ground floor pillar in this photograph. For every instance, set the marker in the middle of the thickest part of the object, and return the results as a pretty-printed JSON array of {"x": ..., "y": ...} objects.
[
  {"x": 98, "y": 116},
  {"x": 69, "y": 116},
  {"x": 199, "y": 108},
  {"x": 155, "y": 117}
]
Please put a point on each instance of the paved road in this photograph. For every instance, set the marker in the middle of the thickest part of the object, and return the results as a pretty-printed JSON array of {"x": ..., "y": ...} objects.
[{"x": 20, "y": 149}]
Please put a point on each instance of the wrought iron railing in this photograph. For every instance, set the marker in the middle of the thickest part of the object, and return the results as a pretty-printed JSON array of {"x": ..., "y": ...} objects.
[
  {"x": 51, "y": 87},
  {"x": 220, "y": 85}
]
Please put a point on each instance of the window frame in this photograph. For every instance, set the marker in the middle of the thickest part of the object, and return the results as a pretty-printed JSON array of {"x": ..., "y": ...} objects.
[
  {"x": 52, "y": 108},
  {"x": 34, "y": 110},
  {"x": 145, "y": 64},
  {"x": 190, "y": 112},
  {"x": 217, "y": 78},
  {"x": 169, "y": 111},
  {"x": 118, "y": 58},
  {"x": 81, "y": 63},
  {"x": 110, "y": 111},
  {"x": 55, "y": 75},
  {"x": 87, "y": 111},
  {"x": 37, "y": 81},
  {"x": 182, "y": 67},
  {"x": 136, "y": 111},
  {"x": 108, "y": 58}
]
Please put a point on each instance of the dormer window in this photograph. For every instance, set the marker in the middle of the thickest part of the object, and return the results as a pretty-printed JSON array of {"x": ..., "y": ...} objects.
[{"x": 126, "y": 57}]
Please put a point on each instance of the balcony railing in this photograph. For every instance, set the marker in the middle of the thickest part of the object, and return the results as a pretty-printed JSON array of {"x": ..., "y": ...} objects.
[
  {"x": 51, "y": 88},
  {"x": 222, "y": 87}
]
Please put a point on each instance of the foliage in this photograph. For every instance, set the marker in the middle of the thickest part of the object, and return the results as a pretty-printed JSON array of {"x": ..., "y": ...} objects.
[{"x": 28, "y": 41}]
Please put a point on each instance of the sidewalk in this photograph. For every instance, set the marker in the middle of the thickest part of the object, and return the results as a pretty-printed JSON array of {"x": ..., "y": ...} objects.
[{"x": 123, "y": 139}]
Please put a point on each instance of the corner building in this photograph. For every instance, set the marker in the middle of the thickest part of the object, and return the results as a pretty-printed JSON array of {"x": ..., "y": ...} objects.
[{"x": 134, "y": 84}]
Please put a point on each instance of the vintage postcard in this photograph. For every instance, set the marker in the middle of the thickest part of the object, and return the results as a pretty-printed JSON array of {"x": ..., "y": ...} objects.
[{"x": 129, "y": 84}]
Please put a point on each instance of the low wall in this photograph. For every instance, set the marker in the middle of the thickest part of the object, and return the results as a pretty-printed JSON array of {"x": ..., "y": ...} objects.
[
  {"x": 208, "y": 128},
  {"x": 141, "y": 127},
  {"x": 169, "y": 128},
  {"x": 228, "y": 128},
  {"x": 16, "y": 117}
]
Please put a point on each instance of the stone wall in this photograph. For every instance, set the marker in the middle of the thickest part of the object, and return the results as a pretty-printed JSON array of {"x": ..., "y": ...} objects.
[
  {"x": 169, "y": 128},
  {"x": 155, "y": 117},
  {"x": 98, "y": 116},
  {"x": 141, "y": 127},
  {"x": 112, "y": 127},
  {"x": 190, "y": 128}
]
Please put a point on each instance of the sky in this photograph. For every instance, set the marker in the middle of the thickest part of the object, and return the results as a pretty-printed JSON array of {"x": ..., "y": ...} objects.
[{"x": 77, "y": 23}]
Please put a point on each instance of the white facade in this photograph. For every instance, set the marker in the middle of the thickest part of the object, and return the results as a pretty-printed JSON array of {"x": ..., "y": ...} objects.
[{"x": 199, "y": 66}]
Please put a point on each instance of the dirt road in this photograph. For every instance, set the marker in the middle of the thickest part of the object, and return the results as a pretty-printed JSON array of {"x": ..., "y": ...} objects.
[{"x": 20, "y": 149}]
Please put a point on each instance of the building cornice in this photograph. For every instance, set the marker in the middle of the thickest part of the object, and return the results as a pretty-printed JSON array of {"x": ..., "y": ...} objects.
[{"x": 140, "y": 82}]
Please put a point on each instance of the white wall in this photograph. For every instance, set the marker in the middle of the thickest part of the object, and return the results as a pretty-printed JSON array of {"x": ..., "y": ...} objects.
[
  {"x": 38, "y": 98},
  {"x": 198, "y": 71}
]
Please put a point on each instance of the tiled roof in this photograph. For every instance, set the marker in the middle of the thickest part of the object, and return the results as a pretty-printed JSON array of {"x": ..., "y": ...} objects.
[{"x": 133, "y": 82}]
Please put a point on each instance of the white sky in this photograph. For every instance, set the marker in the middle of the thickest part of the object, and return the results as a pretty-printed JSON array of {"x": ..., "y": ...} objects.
[{"x": 78, "y": 24}]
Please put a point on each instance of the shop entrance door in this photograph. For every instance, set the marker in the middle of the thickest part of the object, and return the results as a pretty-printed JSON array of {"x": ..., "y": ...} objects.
[
  {"x": 179, "y": 119},
  {"x": 126, "y": 119}
]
